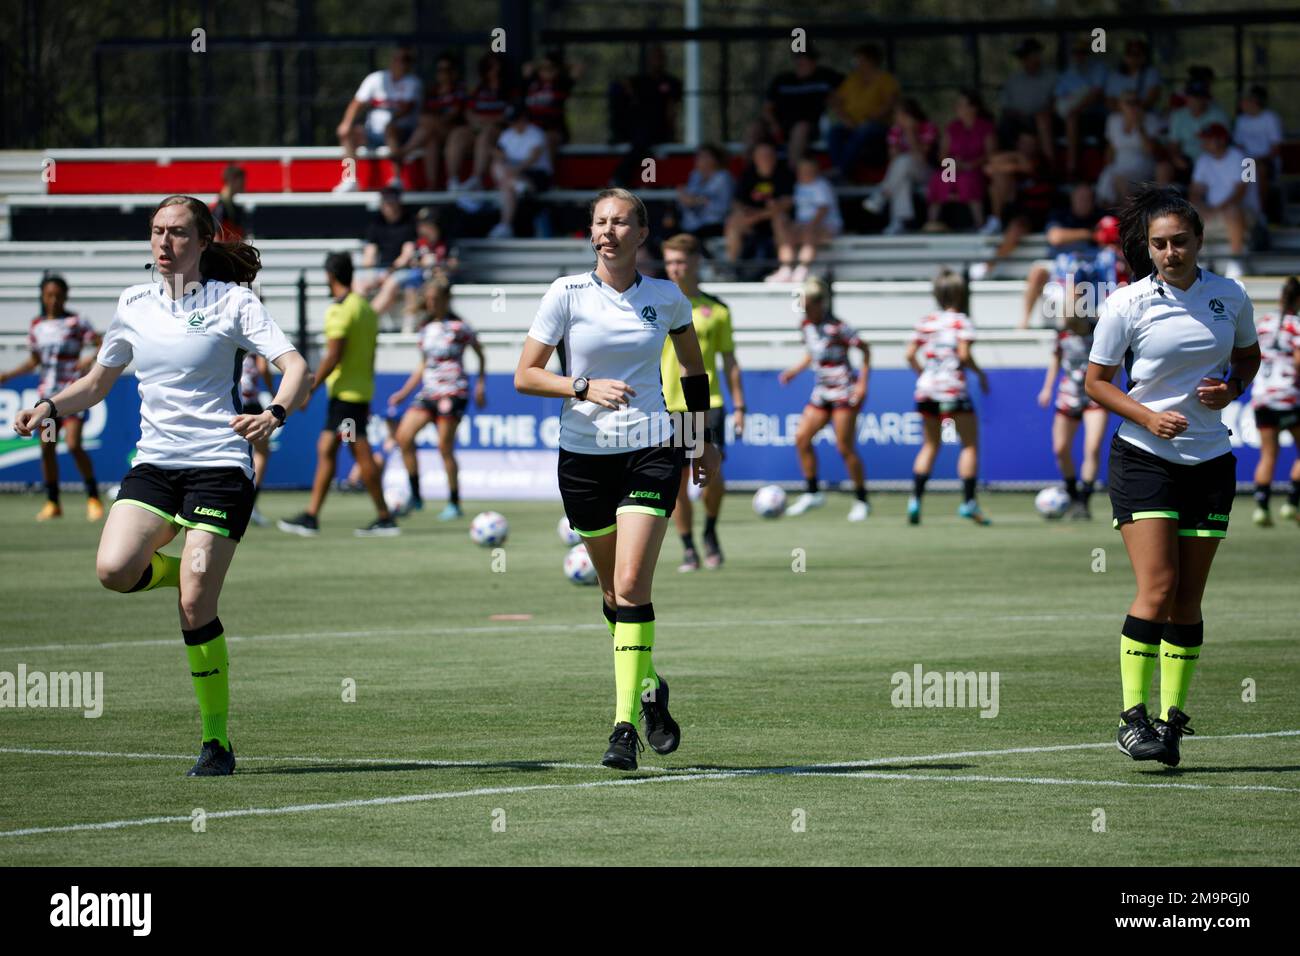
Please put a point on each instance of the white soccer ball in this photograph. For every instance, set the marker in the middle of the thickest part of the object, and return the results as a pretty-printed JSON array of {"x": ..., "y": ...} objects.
[
  {"x": 578, "y": 567},
  {"x": 1051, "y": 502},
  {"x": 567, "y": 534},
  {"x": 769, "y": 501},
  {"x": 397, "y": 497},
  {"x": 489, "y": 529}
]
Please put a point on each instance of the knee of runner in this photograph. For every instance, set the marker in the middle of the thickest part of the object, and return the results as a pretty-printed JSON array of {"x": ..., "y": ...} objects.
[{"x": 116, "y": 576}]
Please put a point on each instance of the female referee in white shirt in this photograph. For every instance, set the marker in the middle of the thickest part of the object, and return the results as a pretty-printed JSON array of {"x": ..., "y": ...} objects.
[
  {"x": 620, "y": 458},
  {"x": 1187, "y": 339},
  {"x": 187, "y": 336}
]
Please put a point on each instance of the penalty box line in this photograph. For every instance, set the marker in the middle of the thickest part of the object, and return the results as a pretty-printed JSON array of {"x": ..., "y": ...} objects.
[{"x": 686, "y": 775}]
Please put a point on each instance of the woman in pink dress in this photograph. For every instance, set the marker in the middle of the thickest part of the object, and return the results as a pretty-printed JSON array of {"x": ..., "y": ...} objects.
[{"x": 969, "y": 140}]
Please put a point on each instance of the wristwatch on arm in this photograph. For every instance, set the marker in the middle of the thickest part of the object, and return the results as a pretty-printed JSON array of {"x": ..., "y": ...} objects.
[
  {"x": 580, "y": 386},
  {"x": 278, "y": 413}
]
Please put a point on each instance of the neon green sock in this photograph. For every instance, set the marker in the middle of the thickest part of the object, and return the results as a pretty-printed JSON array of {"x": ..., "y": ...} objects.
[
  {"x": 209, "y": 667},
  {"x": 633, "y": 646},
  {"x": 164, "y": 572},
  {"x": 1137, "y": 665},
  {"x": 1177, "y": 665}
]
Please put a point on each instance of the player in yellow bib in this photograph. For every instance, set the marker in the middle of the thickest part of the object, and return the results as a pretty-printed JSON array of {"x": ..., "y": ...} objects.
[{"x": 712, "y": 320}]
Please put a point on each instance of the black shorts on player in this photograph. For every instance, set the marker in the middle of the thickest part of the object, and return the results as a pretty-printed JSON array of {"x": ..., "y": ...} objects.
[
  {"x": 340, "y": 411},
  {"x": 935, "y": 409},
  {"x": 1198, "y": 497},
  {"x": 446, "y": 406},
  {"x": 219, "y": 500},
  {"x": 597, "y": 488},
  {"x": 1283, "y": 419}
]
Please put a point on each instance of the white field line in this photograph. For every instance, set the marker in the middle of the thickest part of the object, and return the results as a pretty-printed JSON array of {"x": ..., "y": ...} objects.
[
  {"x": 586, "y": 624},
  {"x": 686, "y": 774}
]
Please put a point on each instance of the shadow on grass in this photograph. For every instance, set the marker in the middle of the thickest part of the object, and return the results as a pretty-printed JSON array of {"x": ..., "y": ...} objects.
[
  {"x": 527, "y": 766},
  {"x": 1181, "y": 771}
]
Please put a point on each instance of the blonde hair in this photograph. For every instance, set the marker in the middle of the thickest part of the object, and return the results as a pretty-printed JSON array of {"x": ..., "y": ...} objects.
[
  {"x": 683, "y": 242},
  {"x": 815, "y": 287},
  {"x": 623, "y": 195}
]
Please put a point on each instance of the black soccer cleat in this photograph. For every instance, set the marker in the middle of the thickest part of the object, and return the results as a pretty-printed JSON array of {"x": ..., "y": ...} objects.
[
  {"x": 304, "y": 525},
  {"x": 661, "y": 731},
  {"x": 1170, "y": 732},
  {"x": 624, "y": 744},
  {"x": 214, "y": 761},
  {"x": 1138, "y": 738},
  {"x": 379, "y": 528}
]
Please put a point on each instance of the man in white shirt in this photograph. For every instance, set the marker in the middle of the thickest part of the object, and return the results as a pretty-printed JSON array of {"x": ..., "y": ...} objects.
[
  {"x": 1258, "y": 131},
  {"x": 392, "y": 98},
  {"x": 522, "y": 165},
  {"x": 1220, "y": 191}
]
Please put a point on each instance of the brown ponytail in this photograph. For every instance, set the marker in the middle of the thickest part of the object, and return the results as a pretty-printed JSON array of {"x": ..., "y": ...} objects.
[{"x": 226, "y": 261}]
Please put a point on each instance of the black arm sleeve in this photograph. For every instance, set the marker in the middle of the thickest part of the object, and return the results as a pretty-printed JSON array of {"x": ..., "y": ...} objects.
[{"x": 695, "y": 389}]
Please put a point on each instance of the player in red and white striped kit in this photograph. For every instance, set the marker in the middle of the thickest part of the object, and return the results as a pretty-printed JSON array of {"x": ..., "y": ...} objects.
[
  {"x": 1070, "y": 362},
  {"x": 940, "y": 353},
  {"x": 444, "y": 392},
  {"x": 1275, "y": 397},
  {"x": 837, "y": 396},
  {"x": 56, "y": 339}
]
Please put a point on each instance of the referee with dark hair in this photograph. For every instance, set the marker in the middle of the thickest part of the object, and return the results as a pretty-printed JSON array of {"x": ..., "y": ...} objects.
[
  {"x": 621, "y": 455},
  {"x": 1187, "y": 340}
]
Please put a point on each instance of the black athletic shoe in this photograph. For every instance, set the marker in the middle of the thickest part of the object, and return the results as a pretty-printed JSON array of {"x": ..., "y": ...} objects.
[
  {"x": 661, "y": 731},
  {"x": 1138, "y": 738},
  {"x": 1170, "y": 732},
  {"x": 1077, "y": 511},
  {"x": 304, "y": 524},
  {"x": 712, "y": 552},
  {"x": 379, "y": 528},
  {"x": 214, "y": 761},
  {"x": 624, "y": 744}
]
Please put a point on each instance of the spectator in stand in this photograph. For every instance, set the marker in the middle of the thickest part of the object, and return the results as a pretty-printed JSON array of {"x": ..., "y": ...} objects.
[
  {"x": 1135, "y": 75},
  {"x": 1022, "y": 184},
  {"x": 969, "y": 140},
  {"x": 861, "y": 109},
  {"x": 816, "y": 223},
  {"x": 703, "y": 201},
  {"x": 762, "y": 203},
  {"x": 521, "y": 166},
  {"x": 443, "y": 112},
  {"x": 227, "y": 215},
  {"x": 644, "y": 113},
  {"x": 1220, "y": 193},
  {"x": 911, "y": 141},
  {"x": 388, "y": 263},
  {"x": 392, "y": 97},
  {"x": 1080, "y": 99},
  {"x": 1069, "y": 230},
  {"x": 1185, "y": 125},
  {"x": 795, "y": 102},
  {"x": 549, "y": 83},
  {"x": 485, "y": 112},
  {"x": 1131, "y": 142},
  {"x": 1026, "y": 99},
  {"x": 1258, "y": 131}
]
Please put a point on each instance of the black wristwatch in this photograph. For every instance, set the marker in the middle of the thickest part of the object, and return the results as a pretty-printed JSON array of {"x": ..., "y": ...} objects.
[
  {"x": 278, "y": 413},
  {"x": 580, "y": 386}
]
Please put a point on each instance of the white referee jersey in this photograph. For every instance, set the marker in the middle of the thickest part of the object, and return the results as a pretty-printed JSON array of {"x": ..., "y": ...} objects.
[
  {"x": 600, "y": 333},
  {"x": 1169, "y": 340},
  {"x": 188, "y": 356}
]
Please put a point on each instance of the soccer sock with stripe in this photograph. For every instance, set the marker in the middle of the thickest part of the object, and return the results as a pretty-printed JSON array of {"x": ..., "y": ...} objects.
[
  {"x": 611, "y": 615},
  {"x": 634, "y": 640},
  {"x": 164, "y": 571},
  {"x": 1179, "y": 652},
  {"x": 1139, "y": 650},
  {"x": 1262, "y": 494},
  {"x": 206, "y": 648}
]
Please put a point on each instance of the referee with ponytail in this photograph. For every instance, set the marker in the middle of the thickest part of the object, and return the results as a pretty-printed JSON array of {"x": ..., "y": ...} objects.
[
  {"x": 193, "y": 470},
  {"x": 1187, "y": 340}
]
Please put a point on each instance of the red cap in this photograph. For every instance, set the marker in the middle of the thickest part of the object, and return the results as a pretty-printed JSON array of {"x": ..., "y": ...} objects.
[
  {"x": 1107, "y": 231},
  {"x": 1215, "y": 129}
]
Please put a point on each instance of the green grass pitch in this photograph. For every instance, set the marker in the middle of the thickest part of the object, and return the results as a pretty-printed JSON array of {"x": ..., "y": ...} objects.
[{"x": 477, "y": 741}]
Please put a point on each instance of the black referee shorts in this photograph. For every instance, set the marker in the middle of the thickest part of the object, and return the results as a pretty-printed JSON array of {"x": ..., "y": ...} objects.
[
  {"x": 596, "y": 489},
  {"x": 1198, "y": 497},
  {"x": 219, "y": 500},
  {"x": 340, "y": 411},
  {"x": 1283, "y": 419}
]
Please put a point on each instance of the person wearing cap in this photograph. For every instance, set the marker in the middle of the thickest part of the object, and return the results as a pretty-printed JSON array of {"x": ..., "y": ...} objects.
[
  {"x": 1025, "y": 103},
  {"x": 1218, "y": 190},
  {"x": 521, "y": 165},
  {"x": 1080, "y": 102},
  {"x": 1185, "y": 125},
  {"x": 794, "y": 105},
  {"x": 389, "y": 253},
  {"x": 1131, "y": 142},
  {"x": 1135, "y": 75}
]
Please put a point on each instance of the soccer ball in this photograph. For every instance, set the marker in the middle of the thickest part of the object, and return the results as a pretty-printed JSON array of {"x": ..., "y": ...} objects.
[
  {"x": 769, "y": 501},
  {"x": 489, "y": 529},
  {"x": 578, "y": 567},
  {"x": 1052, "y": 502},
  {"x": 567, "y": 534},
  {"x": 397, "y": 497}
]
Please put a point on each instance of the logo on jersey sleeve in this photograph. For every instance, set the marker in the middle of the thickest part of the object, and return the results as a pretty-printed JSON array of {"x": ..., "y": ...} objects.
[{"x": 649, "y": 317}]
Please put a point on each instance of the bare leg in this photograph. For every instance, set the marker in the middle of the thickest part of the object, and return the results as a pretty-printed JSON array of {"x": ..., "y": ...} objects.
[
  {"x": 370, "y": 473},
  {"x": 130, "y": 537},
  {"x": 1152, "y": 546},
  {"x": 814, "y": 420},
  {"x": 327, "y": 450}
]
